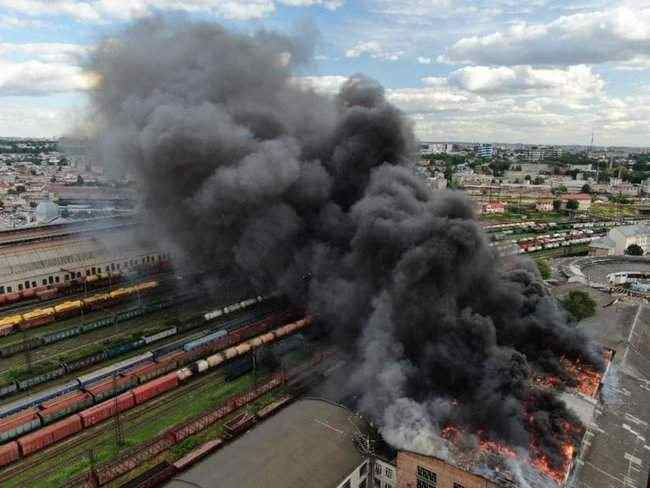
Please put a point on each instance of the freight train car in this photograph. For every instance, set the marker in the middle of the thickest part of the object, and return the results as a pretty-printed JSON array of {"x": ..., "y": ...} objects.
[{"x": 50, "y": 434}]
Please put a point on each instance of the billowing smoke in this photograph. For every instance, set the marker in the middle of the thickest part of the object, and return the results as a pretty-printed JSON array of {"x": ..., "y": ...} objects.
[{"x": 252, "y": 174}]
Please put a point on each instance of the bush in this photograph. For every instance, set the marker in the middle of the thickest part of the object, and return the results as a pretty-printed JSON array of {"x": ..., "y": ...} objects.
[
  {"x": 579, "y": 305},
  {"x": 544, "y": 268},
  {"x": 634, "y": 250}
]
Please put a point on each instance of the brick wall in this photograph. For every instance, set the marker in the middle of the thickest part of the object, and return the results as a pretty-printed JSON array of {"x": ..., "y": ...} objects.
[{"x": 447, "y": 475}]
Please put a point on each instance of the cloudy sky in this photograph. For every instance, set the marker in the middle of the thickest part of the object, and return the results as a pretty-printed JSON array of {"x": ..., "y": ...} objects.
[{"x": 534, "y": 71}]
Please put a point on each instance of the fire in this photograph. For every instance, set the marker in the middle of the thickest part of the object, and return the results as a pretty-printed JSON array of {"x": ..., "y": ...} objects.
[
  {"x": 559, "y": 475},
  {"x": 451, "y": 433},
  {"x": 498, "y": 448}
]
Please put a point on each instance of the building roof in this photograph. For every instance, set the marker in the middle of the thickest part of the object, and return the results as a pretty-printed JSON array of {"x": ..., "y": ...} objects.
[
  {"x": 604, "y": 243},
  {"x": 616, "y": 450},
  {"x": 577, "y": 196},
  {"x": 308, "y": 444},
  {"x": 632, "y": 230}
]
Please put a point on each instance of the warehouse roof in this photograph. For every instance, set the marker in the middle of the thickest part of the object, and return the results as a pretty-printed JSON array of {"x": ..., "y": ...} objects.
[
  {"x": 26, "y": 260},
  {"x": 633, "y": 230},
  {"x": 604, "y": 243},
  {"x": 309, "y": 443},
  {"x": 616, "y": 450}
]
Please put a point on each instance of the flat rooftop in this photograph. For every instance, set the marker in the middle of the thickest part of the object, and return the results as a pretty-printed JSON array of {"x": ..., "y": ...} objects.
[{"x": 308, "y": 444}]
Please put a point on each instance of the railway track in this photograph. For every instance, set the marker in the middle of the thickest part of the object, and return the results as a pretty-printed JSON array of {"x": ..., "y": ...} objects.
[{"x": 131, "y": 419}]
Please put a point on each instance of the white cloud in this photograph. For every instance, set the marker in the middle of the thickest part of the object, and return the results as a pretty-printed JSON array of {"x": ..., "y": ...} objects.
[
  {"x": 615, "y": 35},
  {"x": 105, "y": 10},
  {"x": 575, "y": 81},
  {"x": 39, "y": 78},
  {"x": 12, "y": 22},
  {"x": 53, "y": 52},
  {"x": 329, "y": 85},
  {"x": 423, "y": 60},
  {"x": 373, "y": 49}
]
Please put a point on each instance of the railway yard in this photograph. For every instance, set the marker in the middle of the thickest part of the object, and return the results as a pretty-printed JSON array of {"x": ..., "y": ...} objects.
[{"x": 94, "y": 373}]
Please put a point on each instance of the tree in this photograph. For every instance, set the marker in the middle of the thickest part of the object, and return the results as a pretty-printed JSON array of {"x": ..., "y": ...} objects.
[
  {"x": 586, "y": 188},
  {"x": 53, "y": 179},
  {"x": 560, "y": 189},
  {"x": 538, "y": 180},
  {"x": 572, "y": 205},
  {"x": 80, "y": 180},
  {"x": 579, "y": 305},
  {"x": 557, "y": 205},
  {"x": 634, "y": 250},
  {"x": 544, "y": 268}
]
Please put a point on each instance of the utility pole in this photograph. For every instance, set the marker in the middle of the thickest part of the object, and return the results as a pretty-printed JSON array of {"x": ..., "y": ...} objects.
[
  {"x": 119, "y": 433},
  {"x": 28, "y": 352}
]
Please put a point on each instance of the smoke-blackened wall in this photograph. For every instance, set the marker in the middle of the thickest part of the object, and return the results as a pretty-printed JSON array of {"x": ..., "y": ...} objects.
[{"x": 254, "y": 175}]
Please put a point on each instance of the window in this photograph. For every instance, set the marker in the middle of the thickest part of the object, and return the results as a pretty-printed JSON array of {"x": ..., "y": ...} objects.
[
  {"x": 20, "y": 287},
  {"x": 377, "y": 483},
  {"x": 363, "y": 470},
  {"x": 78, "y": 274},
  {"x": 2, "y": 290},
  {"x": 119, "y": 266},
  {"x": 34, "y": 284},
  {"x": 94, "y": 270},
  {"x": 426, "y": 478},
  {"x": 458, "y": 485},
  {"x": 113, "y": 266},
  {"x": 8, "y": 289},
  {"x": 56, "y": 279},
  {"x": 50, "y": 279},
  {"x": 388, "y": 473},
  {"x": 107, "y": 269},
  {"x": 27, "y": 285},
  {"x": 44, "y": 281},
  {"x": 363, "y": 484},
  {"x": 347, "y": 484},
  {"x": 377, "y": 469},
  {"x": 66, "y": 278}
]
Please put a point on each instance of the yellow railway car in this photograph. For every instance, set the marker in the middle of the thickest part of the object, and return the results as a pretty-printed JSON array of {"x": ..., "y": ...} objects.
[{"x": 37, "y": 317}]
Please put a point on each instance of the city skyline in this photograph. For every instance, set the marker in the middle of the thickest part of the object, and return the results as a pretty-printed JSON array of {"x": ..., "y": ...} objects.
[{"x": 531, "y": 72}]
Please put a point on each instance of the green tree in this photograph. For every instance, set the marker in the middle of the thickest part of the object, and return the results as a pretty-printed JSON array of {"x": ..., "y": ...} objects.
[
  {"x": 560, "y": 189},
  {"x": 586, "y": 188},
  {"x": 544, "y": 268},
  {"x": 538, "y": 180},
  {"x": 579, "y": 305},
  {"x": 557, "y": 205},
  {"x": 572, "y": 205},
  {"x": 634, "y": 250}
]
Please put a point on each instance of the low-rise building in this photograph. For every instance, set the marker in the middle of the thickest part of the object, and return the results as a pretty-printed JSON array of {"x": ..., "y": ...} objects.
[
  {"x": 544, "y": 206},
  {"x": 493, "y": 208},
  {"x": 620, "y": 238}
]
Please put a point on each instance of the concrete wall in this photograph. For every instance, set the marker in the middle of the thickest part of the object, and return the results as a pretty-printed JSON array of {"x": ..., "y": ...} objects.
[{"x": 447, "y": 475}]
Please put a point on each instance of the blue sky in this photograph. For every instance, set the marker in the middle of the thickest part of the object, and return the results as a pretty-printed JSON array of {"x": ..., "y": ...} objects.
[{"x": 534, "y": 71}]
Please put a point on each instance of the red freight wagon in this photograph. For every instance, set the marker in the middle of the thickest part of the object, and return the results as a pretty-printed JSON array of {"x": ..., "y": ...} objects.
[
  {"x": 109, "y": 386},
  {"x": 104, "y": 410},
  {"x": 19, "y": 424},
  {"x": 9, "y": 453},
  {"x": 62, "y": 406},
  {"x": 49, "y": 435},
  {"x": 155, "y": 387}
]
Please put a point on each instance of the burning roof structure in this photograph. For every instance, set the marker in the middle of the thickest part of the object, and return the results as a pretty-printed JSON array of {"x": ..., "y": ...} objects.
[{"x": 506, "y": 465}]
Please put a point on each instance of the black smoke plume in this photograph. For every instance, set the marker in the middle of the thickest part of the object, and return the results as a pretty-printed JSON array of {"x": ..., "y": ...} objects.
[{"x": 255, "y": 175}]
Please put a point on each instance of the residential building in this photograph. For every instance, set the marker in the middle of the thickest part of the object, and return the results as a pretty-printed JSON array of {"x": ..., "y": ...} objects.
[
  {"x": 493, "y": 208},
  {"x": 485, "y": 151},
  {"x": 544, "y": 206}
]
